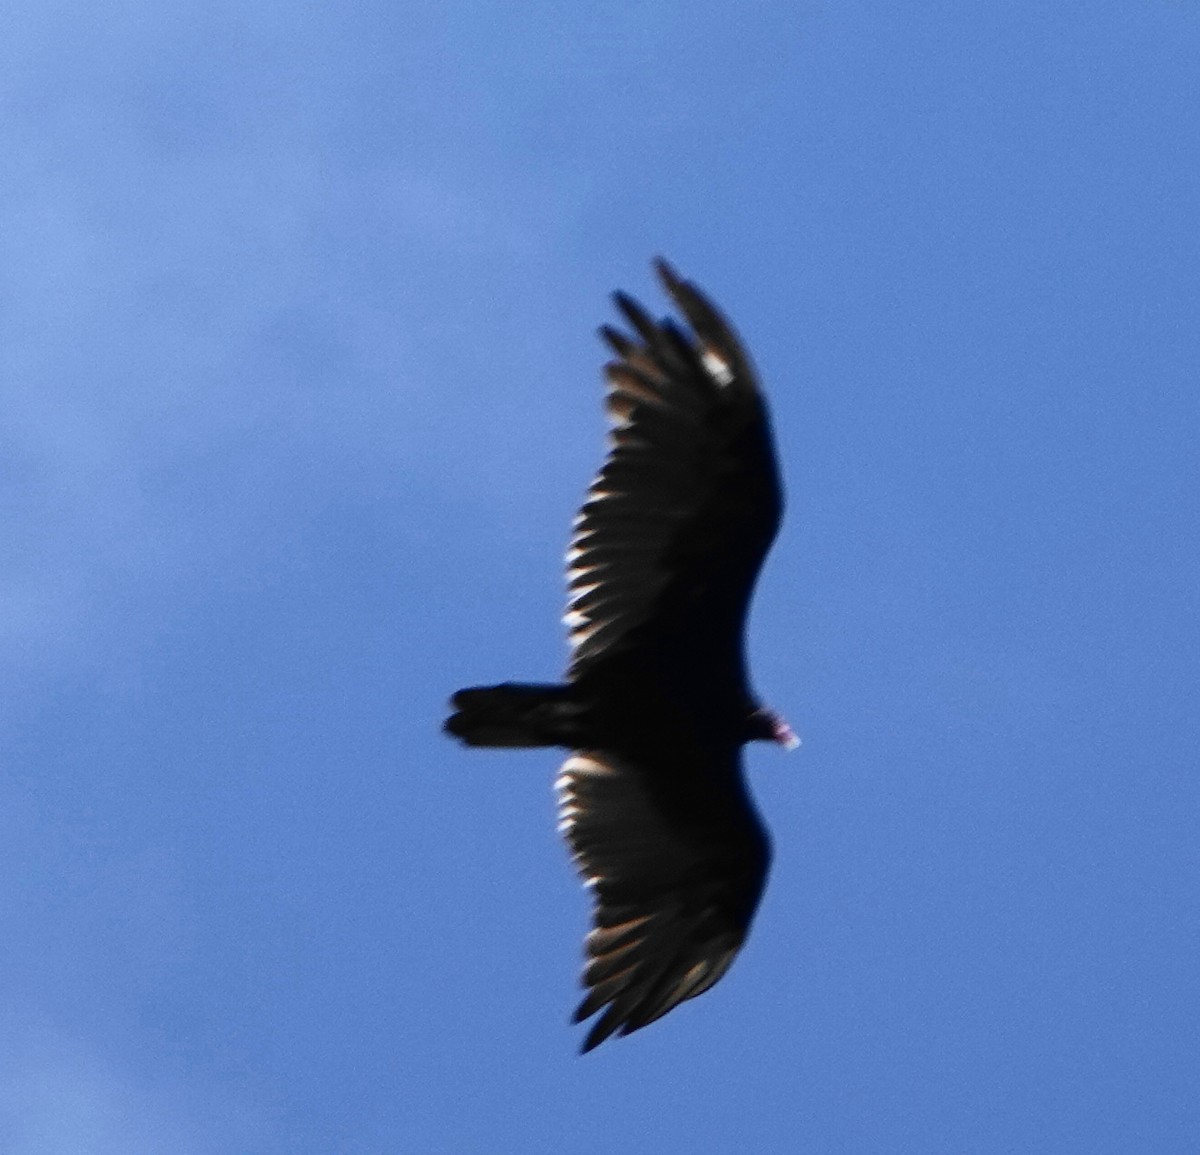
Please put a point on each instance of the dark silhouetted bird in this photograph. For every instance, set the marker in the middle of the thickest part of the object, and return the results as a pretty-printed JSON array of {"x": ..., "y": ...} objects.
[{"x": 656, "y": 704}]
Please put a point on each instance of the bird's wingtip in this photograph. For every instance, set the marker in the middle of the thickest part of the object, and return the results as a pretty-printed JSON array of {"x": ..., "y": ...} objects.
[{"x": 666, "y": 273}]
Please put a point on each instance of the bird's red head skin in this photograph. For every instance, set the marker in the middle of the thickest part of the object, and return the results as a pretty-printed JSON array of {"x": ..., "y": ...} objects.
[
  {"x": 784, "y": 734},
  {"x": 768, "y": 726}
]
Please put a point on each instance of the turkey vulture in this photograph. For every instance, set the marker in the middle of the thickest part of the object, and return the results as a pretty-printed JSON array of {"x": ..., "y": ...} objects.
[{"x": 656, "y": 704}]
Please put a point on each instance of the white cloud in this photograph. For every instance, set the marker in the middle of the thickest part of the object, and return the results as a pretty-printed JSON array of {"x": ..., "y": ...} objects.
[
  {"x": 61, "y": 1096},
  {"x": 201, "y": 297}
]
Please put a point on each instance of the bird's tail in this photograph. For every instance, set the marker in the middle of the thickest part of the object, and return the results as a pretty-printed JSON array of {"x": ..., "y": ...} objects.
[{"x": 511, "y": 714}]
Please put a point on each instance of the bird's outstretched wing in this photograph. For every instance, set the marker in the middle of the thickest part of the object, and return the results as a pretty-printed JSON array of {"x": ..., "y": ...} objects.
[
  {"x": 681, "y": 514},
  {"x": 675, "y": 875}
]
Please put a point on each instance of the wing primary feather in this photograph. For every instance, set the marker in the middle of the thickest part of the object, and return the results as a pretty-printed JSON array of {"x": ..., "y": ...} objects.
[
  {"x": 617, "y": 341},
  {"x": 601, "y": 994},
  {"x": 637, "y": 317},
  {"x": 710, "y": 327},
  {"x": 682, "y": 346}
]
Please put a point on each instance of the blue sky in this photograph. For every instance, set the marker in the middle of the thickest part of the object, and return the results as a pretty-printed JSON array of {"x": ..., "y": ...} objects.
[{"x": 301, "y": 391}]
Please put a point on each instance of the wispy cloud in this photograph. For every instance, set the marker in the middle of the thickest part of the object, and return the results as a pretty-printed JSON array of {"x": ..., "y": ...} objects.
[
  {"x": 197, "y": 295},
  {"x": 63, "y": 1096}
]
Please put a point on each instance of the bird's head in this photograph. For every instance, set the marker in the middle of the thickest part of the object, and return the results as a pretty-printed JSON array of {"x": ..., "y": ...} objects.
[{"x": 767, "y": 726}]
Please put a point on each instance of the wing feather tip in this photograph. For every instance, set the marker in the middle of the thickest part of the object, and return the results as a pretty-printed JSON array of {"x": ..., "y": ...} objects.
[{"x": 666, "y": 273}]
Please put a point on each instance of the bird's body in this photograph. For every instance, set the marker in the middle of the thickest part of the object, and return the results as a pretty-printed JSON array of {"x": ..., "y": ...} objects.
[{"x": 657, "y": 704}]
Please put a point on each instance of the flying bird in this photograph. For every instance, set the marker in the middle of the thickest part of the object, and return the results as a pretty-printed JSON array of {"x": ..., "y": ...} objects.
[{"x": 656, "y": 704}]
